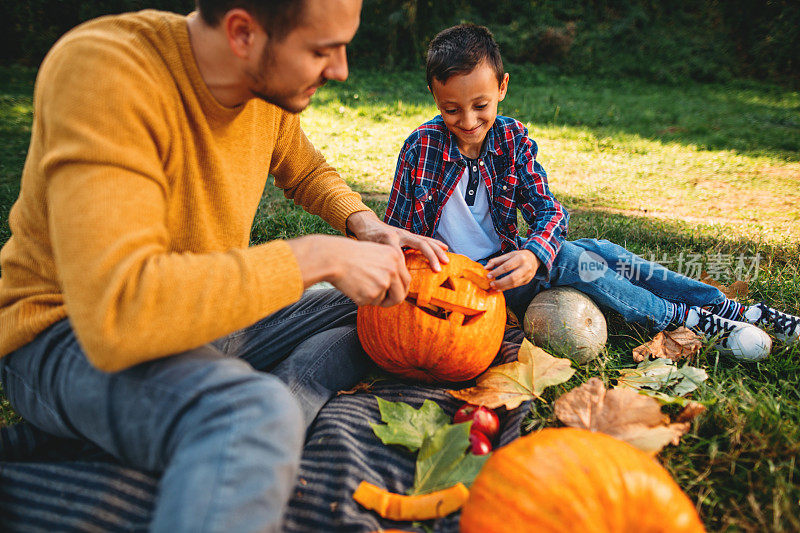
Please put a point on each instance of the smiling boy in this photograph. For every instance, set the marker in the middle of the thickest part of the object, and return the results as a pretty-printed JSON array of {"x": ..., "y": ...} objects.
[{"x": 462, "y": 176}]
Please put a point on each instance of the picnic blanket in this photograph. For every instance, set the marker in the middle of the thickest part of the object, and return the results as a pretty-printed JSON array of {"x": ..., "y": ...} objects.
[{"x": 54, "y": 484}]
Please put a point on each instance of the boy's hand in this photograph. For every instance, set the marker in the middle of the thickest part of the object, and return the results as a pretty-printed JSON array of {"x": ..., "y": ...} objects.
[
  {"x": 522, "y": 265},
  {"x": 366, "y": 226}
]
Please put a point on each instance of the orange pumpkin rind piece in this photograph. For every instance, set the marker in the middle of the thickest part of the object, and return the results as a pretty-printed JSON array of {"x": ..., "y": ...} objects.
[
  {"x": 478, "y": 278},
  {"x": 400, "y": 507}
]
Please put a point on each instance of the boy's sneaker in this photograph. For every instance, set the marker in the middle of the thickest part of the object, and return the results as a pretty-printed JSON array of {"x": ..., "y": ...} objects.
[
  {"x": 742, "y": 340},
  {"x": 784, "y": 326}
]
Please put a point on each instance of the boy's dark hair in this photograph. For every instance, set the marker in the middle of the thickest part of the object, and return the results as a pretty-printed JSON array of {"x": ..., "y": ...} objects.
[
  {"x": 277, "y": 17},
  {"x": 459, "y": 49}
]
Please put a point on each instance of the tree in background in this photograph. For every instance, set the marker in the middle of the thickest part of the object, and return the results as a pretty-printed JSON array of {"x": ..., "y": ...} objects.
[{"x": 705, "y": 40}]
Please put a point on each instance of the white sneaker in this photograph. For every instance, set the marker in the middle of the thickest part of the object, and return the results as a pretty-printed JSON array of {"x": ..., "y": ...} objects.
[
  {"x": 739, "y": 339},
  {"x": 784, "y": 326}
]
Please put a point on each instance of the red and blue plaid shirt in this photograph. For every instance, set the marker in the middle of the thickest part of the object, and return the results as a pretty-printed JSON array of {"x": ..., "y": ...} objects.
[{"x": 428, "y": 169}]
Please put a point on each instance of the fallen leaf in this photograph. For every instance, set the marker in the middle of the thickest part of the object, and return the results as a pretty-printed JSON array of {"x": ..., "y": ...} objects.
[
  {"x": 511, "y": 320},
  {"x": 621, "y": 413},
  {"x": 662, "y": 374},
  {"x": 653, "y": 374},
  {"x": 690, "y": 412},
  {"x": 364, "y": 386},
  {"x": 511, "y": 384},
  {"x": 444, "y": 460},
  {"x": 691, "y": 377},
  {"x": 407, "y": 426},
  {"x": 735, "y": 291},
  {"x": 676, "y": 344},
  {"x": 665, "y": 399}
]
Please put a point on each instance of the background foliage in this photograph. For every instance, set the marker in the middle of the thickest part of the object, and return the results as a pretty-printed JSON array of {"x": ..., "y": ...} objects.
[{"x": 704, "y": 40}]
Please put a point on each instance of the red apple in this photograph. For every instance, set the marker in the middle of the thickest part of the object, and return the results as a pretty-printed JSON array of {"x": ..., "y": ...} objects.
[
  {"x": 483, "y": 419},
  {"x": 478, "y": 443}
]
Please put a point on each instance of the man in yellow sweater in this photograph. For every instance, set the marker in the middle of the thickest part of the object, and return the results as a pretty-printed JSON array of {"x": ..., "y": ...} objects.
[{"x": 133, "y": 312}]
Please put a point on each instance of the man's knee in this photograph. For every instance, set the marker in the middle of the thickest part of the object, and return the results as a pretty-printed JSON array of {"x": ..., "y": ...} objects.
[
  {"x": 333, "y": 301},
  {"x": 249, "y": 406},
  {"x": 263, "y": 400}
]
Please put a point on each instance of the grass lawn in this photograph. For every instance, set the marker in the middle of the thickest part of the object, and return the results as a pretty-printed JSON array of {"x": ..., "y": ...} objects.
[{"x": 697, "y": 176}]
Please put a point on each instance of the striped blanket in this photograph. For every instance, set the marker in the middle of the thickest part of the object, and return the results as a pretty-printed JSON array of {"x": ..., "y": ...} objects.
[{"x": 53, "y": 484}]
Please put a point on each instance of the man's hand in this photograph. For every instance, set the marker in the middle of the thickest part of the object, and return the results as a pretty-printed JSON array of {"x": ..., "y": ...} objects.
[
  {"x": 366, "y": 226},
  {"x": 369, "y": 273},
  {"x": 522, "y": 265}
]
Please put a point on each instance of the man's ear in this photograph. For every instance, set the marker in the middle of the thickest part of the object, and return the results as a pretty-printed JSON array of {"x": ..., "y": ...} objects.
[
  {"x": 503, "y": 87},
  {"x": 240, "y": 29}
]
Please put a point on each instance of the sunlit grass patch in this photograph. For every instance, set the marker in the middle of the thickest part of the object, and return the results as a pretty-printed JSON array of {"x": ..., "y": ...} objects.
[{"x": 627, "y": 146}]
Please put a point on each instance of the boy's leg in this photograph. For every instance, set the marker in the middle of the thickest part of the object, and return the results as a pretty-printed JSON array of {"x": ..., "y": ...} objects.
[
  {"x": 226, "y": 438},
  {"x": 648, "y": 275},
  {"x": 682, "y": 289},
  {"x": 580, "y": 264},
  {"x": 311, "y": 345},
  {"x": 591, "y": 273}
]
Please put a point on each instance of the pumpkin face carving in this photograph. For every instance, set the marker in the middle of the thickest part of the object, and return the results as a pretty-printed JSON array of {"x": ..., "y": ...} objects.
[{"x": 449, "y": 328}]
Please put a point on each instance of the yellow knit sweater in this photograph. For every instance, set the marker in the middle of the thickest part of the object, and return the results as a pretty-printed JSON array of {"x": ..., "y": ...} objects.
[{"x": 138, "y": 196}]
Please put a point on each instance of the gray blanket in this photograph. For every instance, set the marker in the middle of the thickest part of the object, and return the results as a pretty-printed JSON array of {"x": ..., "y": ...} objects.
[{"x": 53, "y": 484}]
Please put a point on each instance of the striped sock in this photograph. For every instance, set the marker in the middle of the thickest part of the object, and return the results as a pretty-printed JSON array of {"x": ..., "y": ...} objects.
[
  {"x": 730, "y": 309},
  {"x": 679, "y": 313}
]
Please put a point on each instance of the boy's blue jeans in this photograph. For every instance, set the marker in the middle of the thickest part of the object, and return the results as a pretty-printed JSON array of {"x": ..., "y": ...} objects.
[
  {"x": 617, "y": 279},
  {"x": 224, "y": 423}
]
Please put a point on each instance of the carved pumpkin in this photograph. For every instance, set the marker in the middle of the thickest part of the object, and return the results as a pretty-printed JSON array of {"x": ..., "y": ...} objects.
[
  {"x": 449, "y": 328},
  {"x": 565, "y": 479}
]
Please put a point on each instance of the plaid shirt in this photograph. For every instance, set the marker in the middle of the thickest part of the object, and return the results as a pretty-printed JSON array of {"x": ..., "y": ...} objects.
[{"x": 430, "y": 165}]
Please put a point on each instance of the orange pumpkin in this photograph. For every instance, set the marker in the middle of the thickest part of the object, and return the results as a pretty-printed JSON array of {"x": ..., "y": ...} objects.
[
  {"x": 449, "y": 328},
  {"x": 565, "y": 479}
]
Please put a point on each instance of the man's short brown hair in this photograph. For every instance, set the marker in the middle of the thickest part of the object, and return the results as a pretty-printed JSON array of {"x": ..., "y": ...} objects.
[{"x": 277, "y": 17}]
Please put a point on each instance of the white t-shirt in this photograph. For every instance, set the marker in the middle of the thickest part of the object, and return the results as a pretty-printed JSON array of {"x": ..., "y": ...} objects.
[{"x": 468, "y": 229}]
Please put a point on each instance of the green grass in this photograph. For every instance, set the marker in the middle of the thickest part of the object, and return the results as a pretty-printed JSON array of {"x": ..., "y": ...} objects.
[
  {"x": 711, "y": 154},
  {"x": 698, "y": 170}
]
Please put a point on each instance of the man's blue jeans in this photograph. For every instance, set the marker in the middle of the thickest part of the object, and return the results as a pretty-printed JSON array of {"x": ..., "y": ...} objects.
[
  {"x": 223, "y": 424},
  {"x": 617, "y": 279}
]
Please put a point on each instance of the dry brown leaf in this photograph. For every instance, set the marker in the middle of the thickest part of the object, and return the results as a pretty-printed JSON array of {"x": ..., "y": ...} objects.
[
  {"x": 675, "y": 345},
  {"x": 511, "y": 384},
  {"x": 735, "y": 291},
  {"x": 690, "y": 412},
  {"x": 364, "y": 386},
  {"x": 511, "y": 320},
  {"x": 621, "y": 413}
]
